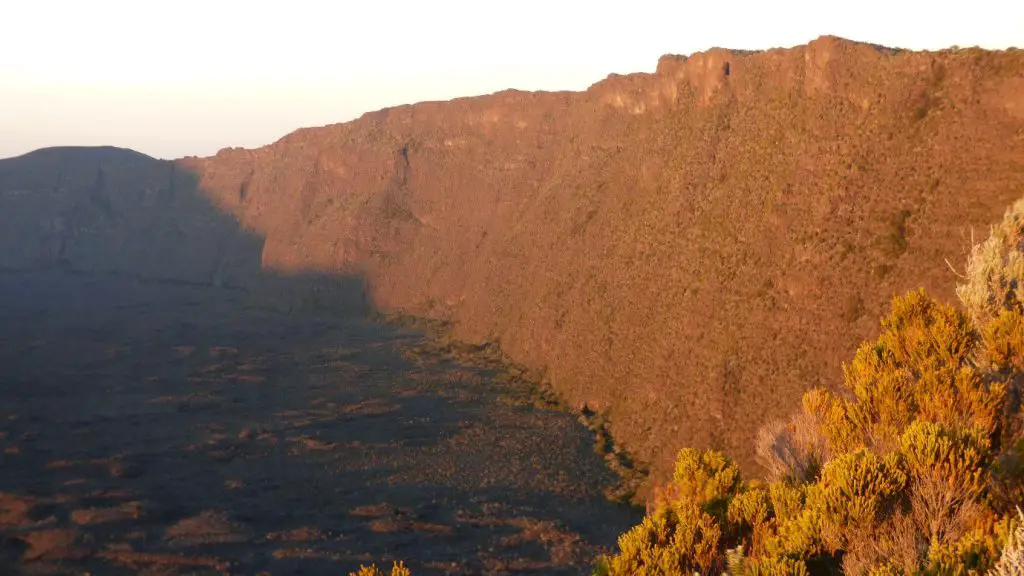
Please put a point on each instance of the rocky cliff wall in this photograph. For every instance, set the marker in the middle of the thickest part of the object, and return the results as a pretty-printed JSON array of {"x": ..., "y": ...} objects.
[{"x": 687, "y": 250}]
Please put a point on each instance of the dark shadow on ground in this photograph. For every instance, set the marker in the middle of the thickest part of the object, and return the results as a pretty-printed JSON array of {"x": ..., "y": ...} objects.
[{"x": 166, "y": 406}]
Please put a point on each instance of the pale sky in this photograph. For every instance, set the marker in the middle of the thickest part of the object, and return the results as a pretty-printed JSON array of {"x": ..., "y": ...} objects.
[{"x": 188, "y": 77}]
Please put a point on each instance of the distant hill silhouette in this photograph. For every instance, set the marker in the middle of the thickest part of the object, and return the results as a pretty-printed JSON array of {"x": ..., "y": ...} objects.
[
  {"x": 687, "y": 250},
  {"x": 117, "y": 212}
]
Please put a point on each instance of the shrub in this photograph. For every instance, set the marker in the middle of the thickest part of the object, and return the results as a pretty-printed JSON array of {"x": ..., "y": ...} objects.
[
  {"x": 948, "y": 468},
  {"x": 751, "y": 512},
  {"x": 995, "y": 270},
  {"x": 924, "y": 366},
  {"x": 910, "y": 468},
  {"x": 1011, "y": 563},
  {"x": 709, "y": 479},
  {"x": 855, "y": 493},
  {"x": 914, "y": 466},
  {"x": 1007, "y": 483},
  {"x": 767, "y": 566},
  {"x": 397, "y": 569},
  {"x": 792, "y": 450},
  {"x": 1004, "y": 342},
  {"x": 677, "y": 539}
]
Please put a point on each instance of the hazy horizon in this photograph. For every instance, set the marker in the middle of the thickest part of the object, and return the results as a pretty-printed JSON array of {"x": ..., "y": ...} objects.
[{"x": 188, "y": 78}]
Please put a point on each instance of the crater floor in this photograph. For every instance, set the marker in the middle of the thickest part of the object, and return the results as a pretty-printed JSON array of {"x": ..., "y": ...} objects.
[{"x": 157, "y": 428}]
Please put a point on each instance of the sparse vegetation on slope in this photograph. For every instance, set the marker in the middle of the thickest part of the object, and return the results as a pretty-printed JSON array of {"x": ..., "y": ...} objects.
[
  {"x": 914, "y": 467},
  {"x": 713, "y": 245}
]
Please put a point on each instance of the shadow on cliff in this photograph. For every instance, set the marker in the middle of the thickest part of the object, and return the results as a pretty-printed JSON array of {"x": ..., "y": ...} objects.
[
  {"x": 166, "y": 404},
  {"x": 118, "y": 213}
]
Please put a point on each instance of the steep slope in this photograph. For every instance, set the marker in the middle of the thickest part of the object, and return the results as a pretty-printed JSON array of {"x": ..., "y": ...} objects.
[{"x": 687, "y": 250}]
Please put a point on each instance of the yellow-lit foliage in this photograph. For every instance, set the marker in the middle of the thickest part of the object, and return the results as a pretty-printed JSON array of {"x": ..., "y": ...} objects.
[
  {"x": 920, "y": 367},
  {"x": 750, "y": 511},
  {"x": 751, "y": 507},
  {"x": 1004, "y": 355},
  {"x": 397, "y": 569},
  {"x": 797, "y": 528},
  {"x": 975, "y": 551},
  {"x": 677, "y": 539},
  {"x": 855, "y": 492},
  {"x": 915, "y": 466},
  {"x": 949, "y": 472},
  {"x": 1004, "y": 342},
  {"x": 801, "y": 536},
  {"x": 922, "y": 464},
  {"x": 885, "y": 570},
  {"x": 740, "y": 565},
  {"x": 787, "y": 500},
  {"x": 707, "y": 478}
]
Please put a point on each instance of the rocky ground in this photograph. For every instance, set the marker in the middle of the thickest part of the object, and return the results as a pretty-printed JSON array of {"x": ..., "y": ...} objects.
[{"x": 155, "y": 428}]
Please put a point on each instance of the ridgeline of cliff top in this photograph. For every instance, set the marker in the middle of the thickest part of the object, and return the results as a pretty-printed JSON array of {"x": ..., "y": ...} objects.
[{"x": 687, "y": 251}]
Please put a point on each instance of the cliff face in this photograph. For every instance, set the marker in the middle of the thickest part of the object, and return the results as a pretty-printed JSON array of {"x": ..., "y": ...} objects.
[{"x": 689, "y": 250}]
